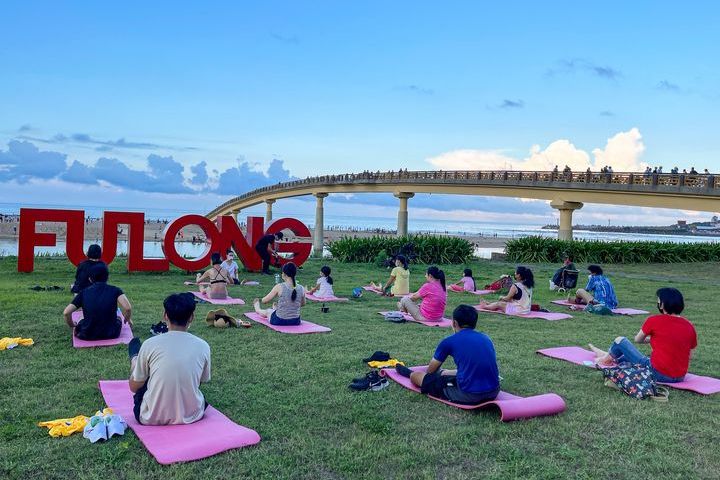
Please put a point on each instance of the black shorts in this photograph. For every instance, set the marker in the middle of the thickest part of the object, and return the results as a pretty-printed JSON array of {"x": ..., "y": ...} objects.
[
  {"x": 445, "y": 387},
  {"x": 138, "y": 398}
]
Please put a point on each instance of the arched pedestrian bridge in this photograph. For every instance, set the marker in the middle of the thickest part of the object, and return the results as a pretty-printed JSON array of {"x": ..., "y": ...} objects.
[{"x": 566, "y": 191}]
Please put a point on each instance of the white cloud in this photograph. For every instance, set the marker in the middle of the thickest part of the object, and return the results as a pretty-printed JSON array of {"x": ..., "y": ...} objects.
[{"x": 622, "y": 152}]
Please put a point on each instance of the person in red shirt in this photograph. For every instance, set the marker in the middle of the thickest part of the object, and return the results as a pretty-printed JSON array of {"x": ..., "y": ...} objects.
[{"x": 671, "y": 337}]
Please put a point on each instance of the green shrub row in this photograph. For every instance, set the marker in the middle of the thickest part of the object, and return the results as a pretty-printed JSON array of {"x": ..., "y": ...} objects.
[
  {"x": 428, "y": 248},
  {"x": 549, "y": 250}
]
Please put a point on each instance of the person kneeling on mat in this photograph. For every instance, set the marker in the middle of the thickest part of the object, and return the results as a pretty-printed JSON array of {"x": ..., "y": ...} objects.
[
  {"x": 167, "y": 370},
  {"x": 99, "y": 303},
  {"x": 291, "y": 297},
  {"x": 476, "y": 379}
]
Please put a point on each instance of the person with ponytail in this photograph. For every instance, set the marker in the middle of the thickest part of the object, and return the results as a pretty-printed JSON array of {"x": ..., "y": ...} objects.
[
  {"x": 399, "y": 281},
  {"x": 466, "y": 283},
  {"x": 290, "y": 295},
  {"x": 519, "y": 298},
  {"x": 433, "y": 295},
  {"x": 324, "y": 284}
]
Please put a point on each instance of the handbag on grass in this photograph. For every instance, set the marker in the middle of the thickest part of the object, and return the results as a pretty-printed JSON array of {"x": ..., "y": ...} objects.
[{"x": 636, "y": 381}]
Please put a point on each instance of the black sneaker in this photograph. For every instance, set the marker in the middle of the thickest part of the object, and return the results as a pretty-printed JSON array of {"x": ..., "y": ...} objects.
[
  {"x": 159, "y": 328},
  {"x": 378, "y": 384},
  {"x": 377, "y": 357},
  {"x": 134, "y": 347}
]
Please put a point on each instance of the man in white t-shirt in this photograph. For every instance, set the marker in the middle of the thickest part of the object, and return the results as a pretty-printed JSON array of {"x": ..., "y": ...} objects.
[
  {"x": 167, "y": 370},
  {"x": 232, "y": 267}
]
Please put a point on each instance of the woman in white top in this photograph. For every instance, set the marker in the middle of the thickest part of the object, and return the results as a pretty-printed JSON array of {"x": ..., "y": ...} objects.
[
  {"x": 519, "y": 298},
  {"x": 324, "y": 284}
]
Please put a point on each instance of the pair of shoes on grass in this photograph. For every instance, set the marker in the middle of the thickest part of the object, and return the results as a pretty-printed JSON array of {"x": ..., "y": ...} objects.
[{"x": 372, "y": 381}]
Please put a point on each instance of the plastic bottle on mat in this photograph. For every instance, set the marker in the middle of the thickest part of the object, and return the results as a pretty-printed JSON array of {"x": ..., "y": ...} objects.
[{"x": 277, "y": 278}]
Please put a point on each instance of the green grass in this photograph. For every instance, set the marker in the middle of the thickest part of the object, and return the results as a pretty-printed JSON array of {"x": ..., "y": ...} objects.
[{"x": 293, "y": 389}]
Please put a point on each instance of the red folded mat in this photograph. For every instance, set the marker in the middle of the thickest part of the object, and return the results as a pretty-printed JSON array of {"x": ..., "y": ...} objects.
[
  {"x": 213, "y": 434},
  {"x": 580, "y": 356},
  {"x": 512, "y": 407}
]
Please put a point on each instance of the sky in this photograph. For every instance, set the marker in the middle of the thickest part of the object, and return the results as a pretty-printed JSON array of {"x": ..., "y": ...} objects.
[{"x": 186, "y": 105}]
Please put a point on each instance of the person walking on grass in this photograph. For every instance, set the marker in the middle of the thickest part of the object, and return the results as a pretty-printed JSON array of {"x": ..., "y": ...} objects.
[
  {"x": 99, "y": 303},
  {"x": 476, "y": 378},
  {"x": 290, "y": 295},
  {"x": 166, "y": 370},
  {"x": 671, "y": 336},
  {"x": 433, "y": 295}
]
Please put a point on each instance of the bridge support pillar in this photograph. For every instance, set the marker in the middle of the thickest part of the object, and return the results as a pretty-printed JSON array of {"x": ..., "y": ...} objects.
[
  {"x": 402, "y": 226},
  {"x": 565, "y": 232},
  {"x": 235, "y": 214},
  {"x": 268, "y": 210},
  {"x": 319, "y": 230}
]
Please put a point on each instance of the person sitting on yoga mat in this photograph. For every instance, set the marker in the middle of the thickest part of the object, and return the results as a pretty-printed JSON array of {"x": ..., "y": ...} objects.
[
  {"x": 557, "y": 276},
  {"x": 99, "y": 303},
  {"x": 598, "y": 290},
  {"x": 82, "y": 274},
  {"x": 324, "y": 284},
  {"x": 519, "y": 297},
  {"x": 672, "y": 339},
  {"x": 399, "y": 281},
  {"x": 218, "y": 278},
  {"x": 166, "y": 370},
  {"x": 476, "y": 379},
  {"x": 291, "y": 297},
  {"x": 433, "y": 295},
  {"x": 231, "y": 266},
  {"x": 265, "y": 248},
  {"x": 465, "y": 284}
]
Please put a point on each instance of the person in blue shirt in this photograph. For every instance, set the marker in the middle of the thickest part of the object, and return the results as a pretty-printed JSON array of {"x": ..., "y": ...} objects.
[
  {"x": 476, "y": 379},
  {"x": 598, "y": 289}
]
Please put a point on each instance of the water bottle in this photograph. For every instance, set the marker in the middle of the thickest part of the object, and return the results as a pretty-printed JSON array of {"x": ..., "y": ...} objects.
[{"x": 277, "y": 278}]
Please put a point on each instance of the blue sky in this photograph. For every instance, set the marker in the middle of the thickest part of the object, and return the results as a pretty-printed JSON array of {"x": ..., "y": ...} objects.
[{"x": 129, "y": 100}]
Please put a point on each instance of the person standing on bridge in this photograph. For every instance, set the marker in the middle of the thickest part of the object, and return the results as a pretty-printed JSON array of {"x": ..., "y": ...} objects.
[{"x": 265, "y": 248}]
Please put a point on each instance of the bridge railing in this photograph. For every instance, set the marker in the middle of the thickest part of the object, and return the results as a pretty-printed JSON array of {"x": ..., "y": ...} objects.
[{"x": 693, "y": 182}]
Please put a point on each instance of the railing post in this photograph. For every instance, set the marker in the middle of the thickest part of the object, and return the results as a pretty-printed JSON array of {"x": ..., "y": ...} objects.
[
  {"x": 654, "y": 179},
  {"x": 681, "y": 181},
  {"x": 711, "y": 182},
  {"x": 631, "y": 179}
]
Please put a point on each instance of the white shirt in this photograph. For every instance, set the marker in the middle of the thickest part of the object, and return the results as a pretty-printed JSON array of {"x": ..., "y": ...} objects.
[
  {"x": 325, "y": 290},
  {"x": 231, "y": 267},
  {"x": 174, "y": 364}
]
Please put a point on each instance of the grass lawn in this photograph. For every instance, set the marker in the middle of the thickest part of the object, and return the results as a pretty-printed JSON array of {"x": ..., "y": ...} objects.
[{"x": 292, "y": 389}]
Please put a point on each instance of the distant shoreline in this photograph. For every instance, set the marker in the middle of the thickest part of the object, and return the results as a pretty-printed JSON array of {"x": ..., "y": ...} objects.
[{"x": 651, "y": 230}]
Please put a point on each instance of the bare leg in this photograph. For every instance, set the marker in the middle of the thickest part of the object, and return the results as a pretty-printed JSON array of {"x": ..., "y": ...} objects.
[
  {"x": 495, "y": 306},
  {"x": 601, "y": 356},
  {"x": 417, "y": 378},
  {"x": 260, "y": 311},
  {"x": 583, "y": 296}
]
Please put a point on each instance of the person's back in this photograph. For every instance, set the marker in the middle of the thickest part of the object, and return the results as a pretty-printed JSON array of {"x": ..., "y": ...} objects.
[
  {"x": 401, "y": 286},
  {"x": 522, "y": 301},
  {"x": 173, "y": 364},
  {"x": 82, "y": 275},
  {"x": 325, "y": 289},
  {"x": 99, "y": 303},
  {"x": 468, "y": 284},
  {"x": 672, "y": 338},
  {"x": 474, "y": 355},
  {"x": 287, "y": 308},
  {"x": 602, "y": 291},
  {"x": 434, "y": 299}
]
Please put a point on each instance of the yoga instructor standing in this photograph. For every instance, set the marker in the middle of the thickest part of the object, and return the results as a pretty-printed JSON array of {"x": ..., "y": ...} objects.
[{"x": 265, "y": 248}]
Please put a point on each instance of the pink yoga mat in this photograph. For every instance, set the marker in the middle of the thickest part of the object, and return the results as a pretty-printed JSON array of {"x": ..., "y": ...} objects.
[
  {"x": 219, "y": 301},
  {"x": 459, "y": 289},
  {"x": 126, "y": 334},
  {"x": 380, "y": 292},
  {"x": 249, "y": 283},
  {"x": 445, "y": 322},
  {"x": 304, "y": 327},
  {"x": 578, "y": 356},
  {"x": 552, "y": 316},
  {"x": 325, "y": 299},
  {"x": 512, "y": 407},
  {"x": 213, "y": 434},
  {"x": 617, "y": 311}
]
